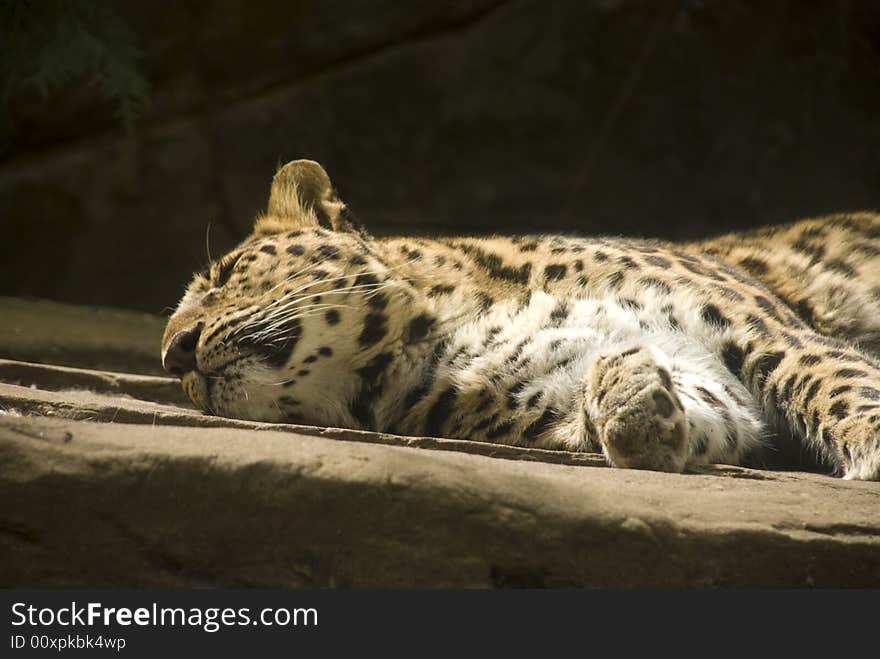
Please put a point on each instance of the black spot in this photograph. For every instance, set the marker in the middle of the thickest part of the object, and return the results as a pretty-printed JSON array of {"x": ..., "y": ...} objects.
[
  {"x": 332, "y": 317},
  {"x": 615, "y": 279},
  {"x": 296, "y": 250},
  {"x": 325, "y": 351},
  {"x": 486, "y": 301},
  {"x": 841, "y": 266},
  {"x": 768, "y": 307},
  {"x": 486, "y": 422},
  {"x": 357, "y": 259},
  {"x": 517, "y": 351},
  {"x": 528, "y": 247},
  {"x": 373, "y": 370},
  {"x": 712, "y": 315},
  {"x": 870, "y": 393},
  {"x": 376, "y": 301},
  {"x": 755, "y": 267},
  {"x": 329, "y": 251},
  {"x": 559, "y": 313},
  {"x": 277, "y": 353},
  {"x": 785, "y": 393},
  {"x": 659, "y": 261},
  {"x": 367, "y": 279},
  {"x": 653, "y": 282},
  {"x": 578, "y": 266},
  {"x": 801, "y": 383},
  {"x": 537, "y": 427},
  {"x": 485, "y": 402},
  {"x": 424, "y": 386},
  {"x": 440, "y": 412},
  {"x": 318, "y": 273},
  {"x": 440, "y": 289},
  {"x": 757, "y": 324},
  {"x": 600, "y": 256},
  {"x": 375, "y": 329},
  {"x": 695, "y": 268},
  {"x": 225, "y": 271},
  {"x": 491, "y": 334},
  {"x": 500, "y": 430},
  {"x": 555, "y": 271},
  {"x": 534, "y": 399},
  {"x": 803, "y": 244},
  {"x": 420, "y": 326},
  {"x": 268, "y": 249},
  {"x": 812, "y": 391},
  {"x": 362, "y": 405},
  {"x": 837, "y": 391},
  {"x": 809, "y": 360},
  {"x": 304, "y": 372},
  {"x": 849, "y": 373},
  {"x": 512, "y": 393},
  {"x": 728, "y": 292},
  {"x": 805, "y": 310},
  {"x": 310, "y": 359},
  {"x": 711, "y": 398},
  {"x": 733, "y": 358},
  {"x": 792, "y": 341},
  {"x": 495, "y": 266},
  {"x": 764, "y": 365},
  {"x": 840, "y": 409}
]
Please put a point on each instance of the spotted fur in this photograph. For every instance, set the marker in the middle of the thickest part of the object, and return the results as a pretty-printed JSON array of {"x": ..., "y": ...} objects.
[{"x": 662, "y": 356}]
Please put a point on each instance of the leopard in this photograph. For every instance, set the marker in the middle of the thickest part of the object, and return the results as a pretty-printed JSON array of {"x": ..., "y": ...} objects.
[{"x": 666, "y": 356}]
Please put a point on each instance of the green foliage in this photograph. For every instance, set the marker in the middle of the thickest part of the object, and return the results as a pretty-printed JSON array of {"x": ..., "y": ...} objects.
[{"x": 49, "y": 44}]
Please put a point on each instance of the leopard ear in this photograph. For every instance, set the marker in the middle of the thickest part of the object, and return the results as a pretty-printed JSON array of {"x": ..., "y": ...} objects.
[{"x": 303, "y": 196}]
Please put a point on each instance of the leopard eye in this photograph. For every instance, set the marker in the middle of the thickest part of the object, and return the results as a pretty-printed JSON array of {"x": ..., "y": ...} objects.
[{"x": 224, "y": 271}]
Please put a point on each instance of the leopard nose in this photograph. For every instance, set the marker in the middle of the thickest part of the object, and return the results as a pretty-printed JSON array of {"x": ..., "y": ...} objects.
[{"x": 180, "y": 357}]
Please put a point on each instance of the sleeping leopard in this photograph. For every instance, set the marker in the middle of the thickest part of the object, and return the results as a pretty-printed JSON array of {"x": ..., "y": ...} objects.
[{"x": 660, "y": 356}]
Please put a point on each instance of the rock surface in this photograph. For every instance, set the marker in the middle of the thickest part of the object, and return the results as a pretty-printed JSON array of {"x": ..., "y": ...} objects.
[
  {"x": 104, "y": 504},
  {"x": 111, "y": 479},
  {"x": 69, "y": 335}
]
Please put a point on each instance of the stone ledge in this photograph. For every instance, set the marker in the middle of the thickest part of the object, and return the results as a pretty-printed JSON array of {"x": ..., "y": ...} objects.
[
  {"x": 79, "y": 336},
  {"x": 101, "y": 504},
  {"x": 106, "y": 479}
]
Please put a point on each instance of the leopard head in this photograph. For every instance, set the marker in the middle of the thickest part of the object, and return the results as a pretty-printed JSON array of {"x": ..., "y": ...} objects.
[{"x": 283, "y": 326}]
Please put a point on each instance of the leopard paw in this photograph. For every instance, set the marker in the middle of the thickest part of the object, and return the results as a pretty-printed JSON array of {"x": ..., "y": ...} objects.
[{"x": 639, "y": 418}]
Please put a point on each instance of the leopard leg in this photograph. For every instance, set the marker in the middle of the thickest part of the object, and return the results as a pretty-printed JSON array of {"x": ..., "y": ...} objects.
[
  {"x": 826, "y": 392},
  {"x": 653, "y": 411}
]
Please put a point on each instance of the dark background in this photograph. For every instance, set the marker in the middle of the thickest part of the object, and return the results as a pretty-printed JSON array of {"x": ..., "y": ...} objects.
[{"x": 127, "y": 129}]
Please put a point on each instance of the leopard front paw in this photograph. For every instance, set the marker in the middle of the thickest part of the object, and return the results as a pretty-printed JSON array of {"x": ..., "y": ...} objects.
[{"x": 639, "y": 418}]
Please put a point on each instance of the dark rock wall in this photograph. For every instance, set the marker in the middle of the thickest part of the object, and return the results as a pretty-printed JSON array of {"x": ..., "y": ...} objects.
[{"x": 674, "y": 119}]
